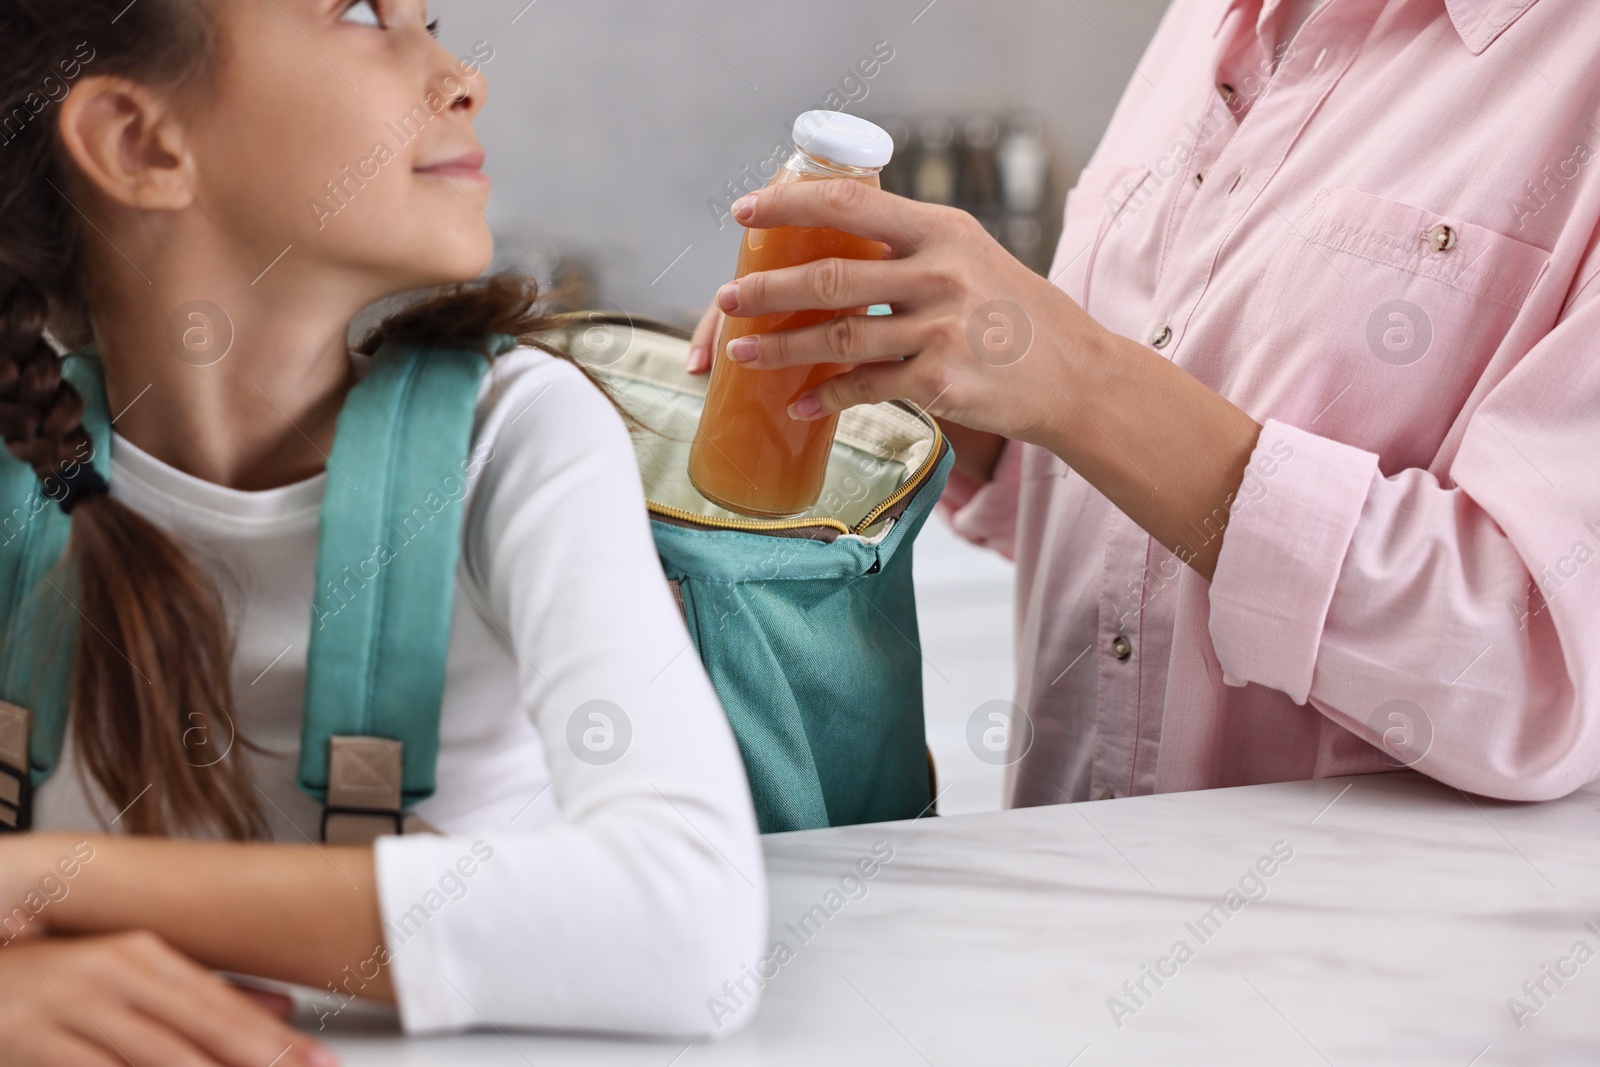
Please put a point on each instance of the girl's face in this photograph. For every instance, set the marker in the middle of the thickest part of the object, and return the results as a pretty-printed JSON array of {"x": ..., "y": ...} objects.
[{"x": 343, "y": 129}]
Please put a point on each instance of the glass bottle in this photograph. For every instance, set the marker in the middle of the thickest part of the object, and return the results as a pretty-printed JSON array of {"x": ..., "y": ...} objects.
[{"x": 748, "y": 455}]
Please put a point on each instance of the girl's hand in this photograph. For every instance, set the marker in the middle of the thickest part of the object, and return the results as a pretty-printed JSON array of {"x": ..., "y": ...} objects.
[
  {"x": 976, "y": 337},
  {"x": 132, "y": 999}
]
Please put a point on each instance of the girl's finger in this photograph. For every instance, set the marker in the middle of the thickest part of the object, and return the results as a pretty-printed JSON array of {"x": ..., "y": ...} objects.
[
  {"x": 214, "y": 1015},
  {"x": 277, "y": 1005},
  {"x": 846, "y": 339},
  {"x": 843, "y": 204},
  {"x": 231, "y": 1028},
  {"x": 60, "y": 1048},
  {"x": 133, "y": 1037},
  {"x": 832, "y": 285}
]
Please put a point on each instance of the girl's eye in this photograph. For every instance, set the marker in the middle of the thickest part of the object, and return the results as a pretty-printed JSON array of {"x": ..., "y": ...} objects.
[
  {"x": 433, "y": 28},
  {"x": 362, "y": 13}
]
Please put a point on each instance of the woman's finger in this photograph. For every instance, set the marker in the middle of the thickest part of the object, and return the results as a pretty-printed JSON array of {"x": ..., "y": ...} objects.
[
  {"x": 832, "y": 285},
  {"x": 843, "y": 204},
  {"x": 872, "y": 383},
  {"x": 705, "y": 335},
  {"x": 846, "y": 339}
]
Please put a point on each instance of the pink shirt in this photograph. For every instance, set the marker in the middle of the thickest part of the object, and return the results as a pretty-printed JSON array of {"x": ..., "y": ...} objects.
[{"x": 1385, "y": 252}]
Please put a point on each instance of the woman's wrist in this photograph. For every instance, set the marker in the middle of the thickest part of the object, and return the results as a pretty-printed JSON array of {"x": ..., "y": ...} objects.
[{"x": 1079, "y": 376}]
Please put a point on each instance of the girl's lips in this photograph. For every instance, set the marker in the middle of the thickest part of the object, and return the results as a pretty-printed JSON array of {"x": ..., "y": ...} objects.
[{"x": 465, "y": 167}]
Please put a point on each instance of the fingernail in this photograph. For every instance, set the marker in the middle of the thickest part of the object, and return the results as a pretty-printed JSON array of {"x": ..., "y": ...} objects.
[
  {"x": 696, "y": 354},
  {"x": 806, "y": 408},
  {"x": 742, "y": 349},
  {"x": 728, "y": 297},
  {"x": 317, "y": 1056},
  {"x": 744, "y": 207}
]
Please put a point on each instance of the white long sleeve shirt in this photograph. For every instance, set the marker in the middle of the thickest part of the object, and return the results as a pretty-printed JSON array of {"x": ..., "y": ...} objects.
[{"x": 572, "y": 889}]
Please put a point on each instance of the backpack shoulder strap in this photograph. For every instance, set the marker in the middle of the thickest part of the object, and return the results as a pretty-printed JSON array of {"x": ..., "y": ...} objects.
[
  {"x": 387, "y": 551},
  {"x": 39, "y": 627},
  {"x": 388, "y": 546}
]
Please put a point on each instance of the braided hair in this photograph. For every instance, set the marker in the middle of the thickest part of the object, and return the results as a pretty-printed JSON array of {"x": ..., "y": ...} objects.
[
  {"x": 41, "y": 414},
  {"x": 150, "y": 693}
]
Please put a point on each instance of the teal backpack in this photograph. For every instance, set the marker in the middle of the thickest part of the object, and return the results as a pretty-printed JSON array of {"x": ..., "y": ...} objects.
[
  {"x": 807, "y": 625},
  {"x": 808, "y": 631}
]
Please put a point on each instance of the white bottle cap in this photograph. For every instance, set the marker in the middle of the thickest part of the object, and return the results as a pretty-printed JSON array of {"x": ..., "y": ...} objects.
[{"x": 844, "y": 139}]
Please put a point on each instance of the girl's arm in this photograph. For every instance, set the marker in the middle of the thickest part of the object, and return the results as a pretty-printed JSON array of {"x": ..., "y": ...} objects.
[
  {"x": 636, "y": 905},
  {"x": 297, "y": 913},
  {"x": 636, "y": 909}
]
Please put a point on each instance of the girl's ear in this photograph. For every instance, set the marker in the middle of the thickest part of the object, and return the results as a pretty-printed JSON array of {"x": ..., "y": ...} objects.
[{"x": 127, "y": 143}]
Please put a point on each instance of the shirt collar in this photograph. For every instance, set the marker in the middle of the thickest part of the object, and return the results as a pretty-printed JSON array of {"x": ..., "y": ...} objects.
[{"x": 1479, "y": 22}]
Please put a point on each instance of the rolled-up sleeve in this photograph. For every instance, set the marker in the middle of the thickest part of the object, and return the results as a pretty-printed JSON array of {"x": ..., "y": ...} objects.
[
  {"x": 1468, "y": 596},
  {"x": 1288, "y": 532}
]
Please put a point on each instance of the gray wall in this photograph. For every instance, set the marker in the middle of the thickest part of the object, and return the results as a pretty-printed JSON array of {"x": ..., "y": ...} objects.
[{"x": 612, "y": 122}]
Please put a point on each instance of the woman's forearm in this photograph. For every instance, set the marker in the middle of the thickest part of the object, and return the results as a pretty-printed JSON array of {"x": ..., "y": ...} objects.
[
  {"x": 297, "y": 913},
  {"x": 1162, "y": 446}
]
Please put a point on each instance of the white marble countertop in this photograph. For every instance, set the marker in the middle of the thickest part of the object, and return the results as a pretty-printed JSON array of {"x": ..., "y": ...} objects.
[{"x": 1407, "y": 918}]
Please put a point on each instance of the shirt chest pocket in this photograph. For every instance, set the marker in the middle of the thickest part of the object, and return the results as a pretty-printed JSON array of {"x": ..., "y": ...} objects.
[{"x": 1392, "y": 309}]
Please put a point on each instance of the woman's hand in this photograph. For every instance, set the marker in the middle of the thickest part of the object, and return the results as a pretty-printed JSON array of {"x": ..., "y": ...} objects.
[
  {"x": 976, "y": 337},
  {"x": 704, "y": 340},
  {"x": 979, "y": 339},
  {"x": 132, "y": 999},
  {"x": 977, "y": 451}
]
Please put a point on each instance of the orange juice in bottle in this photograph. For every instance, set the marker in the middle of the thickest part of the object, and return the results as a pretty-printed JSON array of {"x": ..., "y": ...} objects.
[{"x": 749, "y": 456}]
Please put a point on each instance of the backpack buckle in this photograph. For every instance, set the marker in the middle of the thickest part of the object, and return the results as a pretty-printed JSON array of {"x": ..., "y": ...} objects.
[
  {"x": 16, "y": 800},
  {"x": 16, "y": 783},
  {"x": 364, "y": 778},
  {"x": 358, "y": 826}
]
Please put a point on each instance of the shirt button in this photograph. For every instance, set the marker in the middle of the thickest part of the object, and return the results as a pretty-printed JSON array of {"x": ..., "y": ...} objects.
[
  {"x": 1162, "y": 337},
  {"x": 1121, "y": 647},
  {"x": 1442, "y": 238}
]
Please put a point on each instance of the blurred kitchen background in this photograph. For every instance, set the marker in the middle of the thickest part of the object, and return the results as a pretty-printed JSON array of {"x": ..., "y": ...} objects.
[{"x": 618, "y": 132}]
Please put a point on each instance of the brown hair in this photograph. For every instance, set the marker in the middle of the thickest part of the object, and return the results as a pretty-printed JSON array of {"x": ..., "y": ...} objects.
[{"x": 151, "y": 674}]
